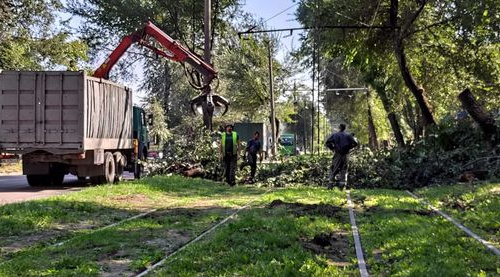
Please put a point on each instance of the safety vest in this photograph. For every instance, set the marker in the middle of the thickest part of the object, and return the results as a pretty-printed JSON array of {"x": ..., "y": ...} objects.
[{"x": 235, "y": 143}]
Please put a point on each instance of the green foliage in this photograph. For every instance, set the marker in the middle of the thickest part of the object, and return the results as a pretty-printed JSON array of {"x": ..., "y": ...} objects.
[
  {"x": 189, "y": 147},
  {"x": 159, "y": 129},
  {"x": 442, "y": 157},
  {"x": 31, "y": 38}
]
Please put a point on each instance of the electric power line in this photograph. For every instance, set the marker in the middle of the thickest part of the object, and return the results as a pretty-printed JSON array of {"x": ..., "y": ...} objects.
[{"x": 280, "y": 13}]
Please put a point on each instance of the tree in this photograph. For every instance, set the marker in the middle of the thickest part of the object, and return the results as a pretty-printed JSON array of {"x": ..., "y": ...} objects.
[
  {"x": 159, "y": 129},
  {"x": 31, "y": 38},
  {"x": 442, "y": 46}
]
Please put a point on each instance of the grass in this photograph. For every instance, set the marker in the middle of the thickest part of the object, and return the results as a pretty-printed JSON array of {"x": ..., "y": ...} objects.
[
  {"x": 271, "y": 240},
  {"x": 401, "y": 237},
  {"x": 300, "y": 231},
  {"x": 55, "y": 219},
  {"x": 475, "y": 205}
]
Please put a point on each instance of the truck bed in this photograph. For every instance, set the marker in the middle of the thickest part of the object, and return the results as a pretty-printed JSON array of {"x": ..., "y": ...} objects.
[{"x": 63, "y": 112}]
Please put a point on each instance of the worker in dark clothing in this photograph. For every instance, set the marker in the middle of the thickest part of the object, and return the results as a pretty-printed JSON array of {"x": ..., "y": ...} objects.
[
  {"x": 228, "y": 153},
  {"x": 254, "y": 147},
  {"x": 341, "y": 143}
]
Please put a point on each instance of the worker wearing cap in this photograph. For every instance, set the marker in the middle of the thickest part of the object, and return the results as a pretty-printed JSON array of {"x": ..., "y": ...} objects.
[{"x": 229, "y": 153}]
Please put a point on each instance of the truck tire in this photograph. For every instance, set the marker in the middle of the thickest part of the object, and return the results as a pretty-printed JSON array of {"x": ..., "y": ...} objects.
[
  {"x": 56, "y": 179},
  {"x": 119, "y": 165},
  {"x": 107, "y": 171},
  {"x": 109, "y": 168},
  {"x": 97, "y": 180},
  {"x": 38, "y": 180}
]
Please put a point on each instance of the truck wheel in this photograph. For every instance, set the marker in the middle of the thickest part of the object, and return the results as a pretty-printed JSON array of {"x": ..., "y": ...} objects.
[
  {"x": 107, "y": 171},
  {"x": 109, "y": 168},
  {"x": 56, "y": 179},
  {"x": 38, "y": 180},
  {"x": 97, "y": 180},
  {"x": 119, "y": 165}
]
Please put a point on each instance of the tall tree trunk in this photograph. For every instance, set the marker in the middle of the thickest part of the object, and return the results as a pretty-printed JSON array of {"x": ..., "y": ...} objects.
[
  {"x": 413, "y": 119},
  {"x": 396, "y": 129},
  {"x": 372, "y": 132},
  {"x": 485, "y": 121},
  {"x": 410, "y": 82}
]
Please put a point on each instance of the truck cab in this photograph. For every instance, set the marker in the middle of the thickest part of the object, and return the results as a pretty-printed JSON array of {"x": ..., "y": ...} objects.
[
  {"x": 141, "y": 138},
  {"x": 140, "y": 131}
]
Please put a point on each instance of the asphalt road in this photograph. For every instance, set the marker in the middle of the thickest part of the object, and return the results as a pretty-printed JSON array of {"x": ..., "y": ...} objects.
[{"x": 16, "y": 189}]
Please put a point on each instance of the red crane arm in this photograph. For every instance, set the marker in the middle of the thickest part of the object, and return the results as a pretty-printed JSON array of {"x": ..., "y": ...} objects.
[{"x": 176, "y": 52}]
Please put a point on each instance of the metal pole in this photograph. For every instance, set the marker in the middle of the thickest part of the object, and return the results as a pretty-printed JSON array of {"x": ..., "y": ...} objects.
[
  {"x": 208, "y": 106},
  {"x": 317, "y": 64},
  {"x": 296, "y": 123},
  {"x": 312, "y": 103},
  {"x": 207, "y": 29},
  {"x": 304, "y": 115},
  {"x": 271, "y": 90}
]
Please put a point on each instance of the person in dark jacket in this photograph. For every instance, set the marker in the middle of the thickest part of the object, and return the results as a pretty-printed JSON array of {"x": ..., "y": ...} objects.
[
  {"x": 254, "y": 147},
  {"x": 340, "y": 143}
]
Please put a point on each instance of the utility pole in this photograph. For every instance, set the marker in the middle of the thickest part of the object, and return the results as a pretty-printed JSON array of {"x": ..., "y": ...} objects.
[
  {"x": 207, "y": 30},
  {"x": 271, "y": 90},
  {"x": 296, "y": 110},
  {"x": 316, "y": 46},
  {"x": 312, "y": 103},
  {"x": 208, "y": 105},
  {"x": 318, "y": 75}
]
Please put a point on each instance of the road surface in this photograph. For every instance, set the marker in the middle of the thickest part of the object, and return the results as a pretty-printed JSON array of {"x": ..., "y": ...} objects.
[{"x": 15, "y": 188}]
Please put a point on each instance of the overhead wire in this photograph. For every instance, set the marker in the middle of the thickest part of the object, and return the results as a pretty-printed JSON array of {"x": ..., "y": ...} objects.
[{"x": 280, "y": 13}]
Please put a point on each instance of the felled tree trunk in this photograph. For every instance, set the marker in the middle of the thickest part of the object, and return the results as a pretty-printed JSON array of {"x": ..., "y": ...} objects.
[{"x": 485, "y": 121}]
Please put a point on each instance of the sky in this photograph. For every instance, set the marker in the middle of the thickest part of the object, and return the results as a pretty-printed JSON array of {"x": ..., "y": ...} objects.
[{"x": 278, "y": 14}]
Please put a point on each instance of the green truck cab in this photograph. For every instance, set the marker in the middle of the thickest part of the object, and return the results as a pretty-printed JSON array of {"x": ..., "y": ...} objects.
[
  {"x": 141, "y": 138},
  {"x": 287, "y": 144}
]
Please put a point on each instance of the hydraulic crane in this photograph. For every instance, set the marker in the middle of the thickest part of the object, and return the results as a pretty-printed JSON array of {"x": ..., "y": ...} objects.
[{"x": 207, "y": 102}]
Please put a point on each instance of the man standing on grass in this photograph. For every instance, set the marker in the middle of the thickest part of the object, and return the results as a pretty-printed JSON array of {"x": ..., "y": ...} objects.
[
  {"x": 341, "y": 143},
  {"x": 254, "y": 147},
  {"x": 228, "y": 153}
]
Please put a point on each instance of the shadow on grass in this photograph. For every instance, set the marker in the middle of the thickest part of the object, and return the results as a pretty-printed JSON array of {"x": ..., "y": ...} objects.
[
  {"x": 279, "y": 239},
  {"x": 400, "y": 235},
  {"x": 120, "y": 250},
  {"x": 190, "y": 187}
]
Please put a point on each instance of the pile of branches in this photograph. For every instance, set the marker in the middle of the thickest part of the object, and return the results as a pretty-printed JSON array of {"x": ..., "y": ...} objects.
[
  {"x": 192, "y": 152},
  {"x": 453, "y": 151}
]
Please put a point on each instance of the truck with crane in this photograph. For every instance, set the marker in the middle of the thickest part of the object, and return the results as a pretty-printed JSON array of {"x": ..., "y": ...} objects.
[{"x": 64, "y": 122}]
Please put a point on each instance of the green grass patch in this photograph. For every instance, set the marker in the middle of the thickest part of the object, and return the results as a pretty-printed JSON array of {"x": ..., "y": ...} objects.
[
  {"x": 58, "y": 218},
  {"x": 292, "y": 232},
  {"x": 475, "y": 205},
  {"x": 120, "y": 250},
  {"x": 402, "y": 237}
]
